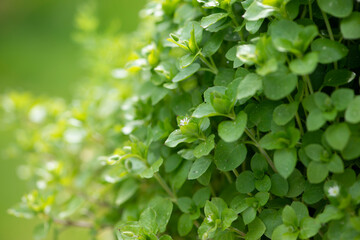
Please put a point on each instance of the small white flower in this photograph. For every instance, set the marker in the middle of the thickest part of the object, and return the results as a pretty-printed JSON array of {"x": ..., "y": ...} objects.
[
  {"x": 185, "y": 121},
  {"x": 37, "y": 114},
  {"x": 209, "y": 218},
  {"x": 334, "y": 191}
]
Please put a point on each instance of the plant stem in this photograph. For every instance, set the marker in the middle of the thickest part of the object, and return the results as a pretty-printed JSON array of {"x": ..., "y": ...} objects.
[
  {"x": 308, "y": 83},
  {"x": 233, "y": 229},
  {"x": 69, "y": 223},
  {"x": 261, "y": 150},
  {"x": 310, "y": 10},
  {"x": 297, "y": 117},
  {"x": 328, "y": 26},
  {"x": 207, "y": 63},
  {"x": 164, "y": 185},
  {"x": 228, "y": 177},
  {"x": 236, "y": 173}
]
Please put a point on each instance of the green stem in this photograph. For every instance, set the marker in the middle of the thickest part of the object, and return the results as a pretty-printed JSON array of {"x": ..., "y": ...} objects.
[
  {"x": 236, "y": 173},
  {"x": 308, "y": 83},
  {"x": 310, "y": 10},
  {"x": 228, "y": 177},
  {"x": 207, "y": 63},
  {"x": 261, "y": 150},
  {"x": 164, "y": 185},
  {"x": 297, "y": 117},
  {"x": 328, "y": 26},
  {"x": 235, "y": 230}
]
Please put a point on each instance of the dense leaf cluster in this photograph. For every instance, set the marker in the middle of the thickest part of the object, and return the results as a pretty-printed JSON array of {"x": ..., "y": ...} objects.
[{"x": 232, "y": 120}]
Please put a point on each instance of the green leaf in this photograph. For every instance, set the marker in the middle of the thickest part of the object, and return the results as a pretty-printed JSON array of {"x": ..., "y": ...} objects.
[
  {"x": 253, "y": 26},
  {"x": 284, "y": 113},
  {"x": 279, "y": 186},
  {"x": 229, "y": 156},
  {"x": 313, "y": 193},
  {"x": 249, "y": 86},
  {"x": 185, "y": 204},
  {"x": 257, "y": 11},
  {"x": 338, "y": 77},
  {"x": 205, "y": 110},
  {"x": 176, "y": 137},
  {"x": 205, "y": 148},
  {"x": 264, "y": 184},
  {"x": 271, "y": 218},
  {"x": 199, "y": 167},
  {"x": 41, "y": 231},
  {"x": 337, "y": 135},
  {"x": 315, "y": 120},
  {"x": 262, "y": 197},
  {"x": 246, "y": 53},
  {"x": 227, "y": 217},
  {"x": 255, "y": 230},
  {"x": 285, "y": 161},
  {"x": 296, "y": 183},
  {"x": 352, "y": 113},
  {"x": 279, "y": 84},
  {"x": 213, "y": 44},
  {"x": 304, "y": 65},
  {"x": 329, "y": 51},
  {"x": 309, "y": 227},
  {"x": 231, "y": 131},
  {"x": 163, "y": 208},
  {"x": 224, "y": 77},
  {"x": 300, "y": 209},
  {"x": 341, "y": 98},
  {"x": 317, "y": 172},
  {"x": 148, "y": 220},
  {"x": 249, "y": 215},
  {"x": 245, "y": 182},
  {"x": 289, "y": 216},
  {"x": 186, "y": 72},
  {"x": 337, "y": 8},
  {"x": 127, "y": 189},
  {"x": 283, "y": 232},
  {"x": 258, "y": 163},
  {"x": 336, "y": 165},
  {"x": 185, "y": 224},
  {"x": 330, "y": 213},
  {"x": 211, "y": 19},
  {"x": 172, "y": 162},
  {"x": 350, "y": 26},
  {"x": 201, "y": 196}
]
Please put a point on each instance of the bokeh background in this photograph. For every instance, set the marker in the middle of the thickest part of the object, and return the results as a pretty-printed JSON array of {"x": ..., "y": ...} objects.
[{"x": 38, "y": 55}]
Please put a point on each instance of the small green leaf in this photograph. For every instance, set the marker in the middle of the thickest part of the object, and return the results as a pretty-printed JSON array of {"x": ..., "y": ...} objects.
[
  {"x": 163, "y": 208},
  {"x": 186, "y": 72},
  {"x": 201, "y": 196},
  {"x": 279, "y": 186},
  {"x": 350, "y": 26},
  {"x": 199, "y": 167},
  {"x": 172, "y": 162},
  {"x": 309, "y": 227},
  {"x": 41, "y": 231},
  {"x": 330, "y": 213},
  {"x": 337, "y": 8},
  {"x": 249, "y": 86},
  {"x": 245, "y": 182},
  {"x": 213, "y": 44},
  {"x": 329, "y": 51},
  {"x": 279, "y": 84},
  {"x": 211, "y": 19},
  {"x": 257, "y": 11},
  {"x": 271, "y": 218},
  {"x": 284, "y": 113},
  {"x": 231, "y": 131},
  {"x": 264, "y": 184},
  {"x": 205, "y": 148},
  {"x": 289, "y": 216},
  {"x": 127, "y": 189},
  {"x": 317, "y": 172},
  {"x": 341, "y": 98},
  {"x": 255, "y": 230},
  {"x": 352, "y": 113},
  {"x": 229, "y": 156},
  {"x": 227, "y": 217},
  {"x": 185, "y": 224},
  {"x": 314, "y": 151},
  {"x": 300, "y": 209},
  {"x": 338, "y": 77},
  {"x": 335, "y": 164},
  {"x": 315, "y": 120},
  {"x": 337, "y": 135},
  {"x": 285, "y": 161},
  {"x": 283, "y": 232},
  {"x": 176, "y": 137},
  {"x": 304, "y": 65},
  {"x": 148, "y": 220},
  {"x": 296, "y": 183},
  {"x": 249, "y": 215}
]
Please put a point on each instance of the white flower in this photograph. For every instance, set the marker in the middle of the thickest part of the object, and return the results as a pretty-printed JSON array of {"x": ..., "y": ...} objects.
[
  {"x": 209, "y": 218},
  {"x": 334, "y": 191},
  {"x": 185, "y": 121}
]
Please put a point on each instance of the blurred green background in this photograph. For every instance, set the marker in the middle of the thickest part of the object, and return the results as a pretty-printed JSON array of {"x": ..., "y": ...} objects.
[{"x": 38, "y": 54}]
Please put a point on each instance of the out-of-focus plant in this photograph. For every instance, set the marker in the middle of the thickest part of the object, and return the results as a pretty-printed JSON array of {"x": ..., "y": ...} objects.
[{"x": 220, "y": 119}]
